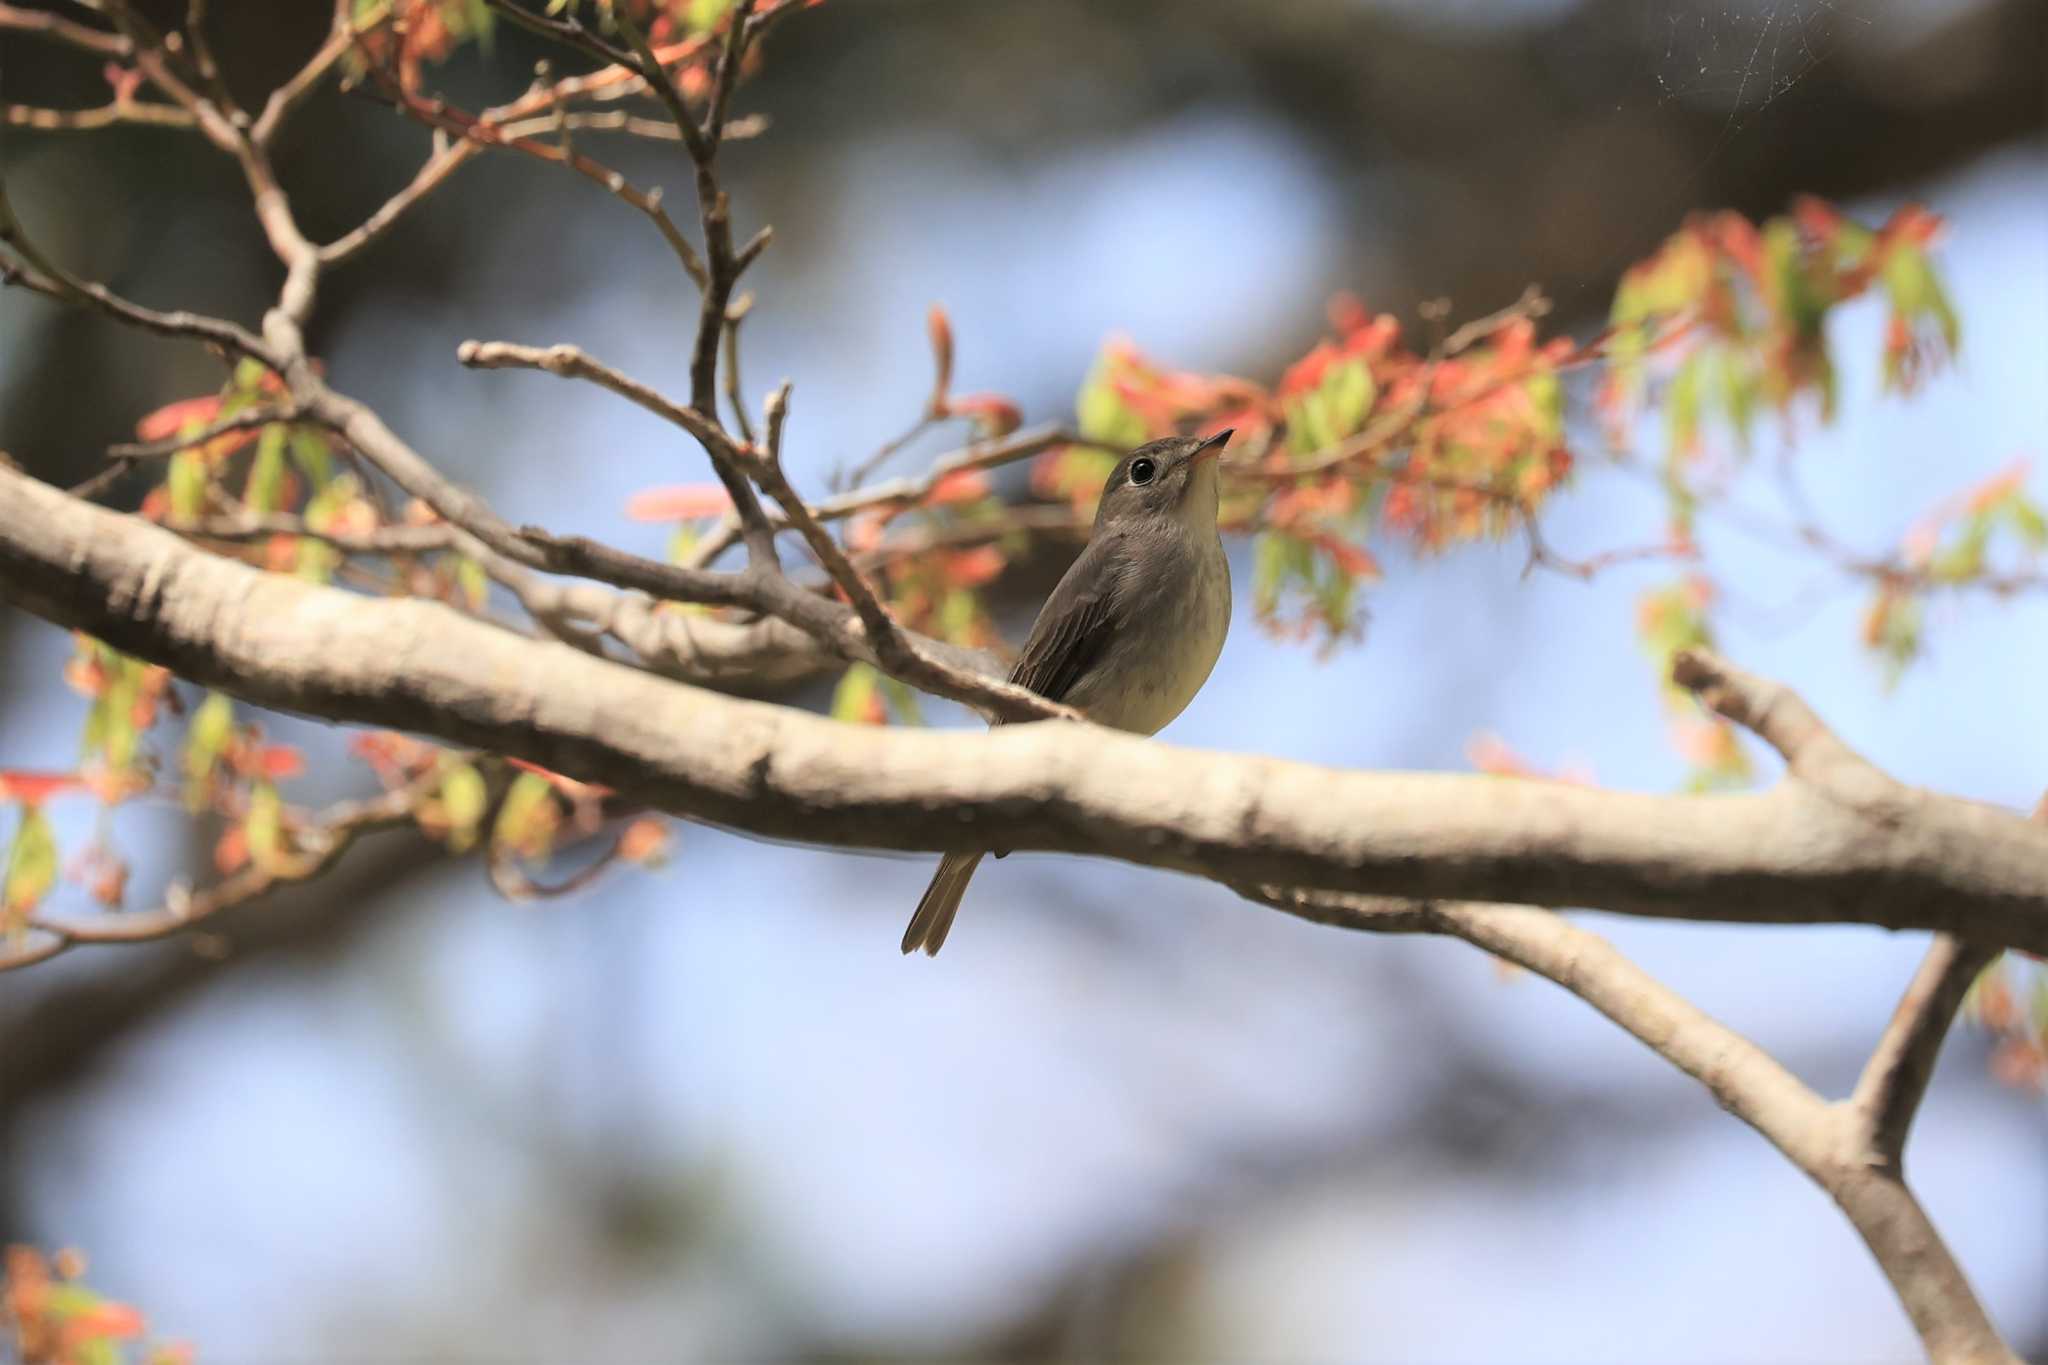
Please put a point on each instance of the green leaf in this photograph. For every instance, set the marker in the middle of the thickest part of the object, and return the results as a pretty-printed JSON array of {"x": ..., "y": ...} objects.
[
  {"x": 1738, "y": 393},
  {"x": 853, "y": 700},
  {"x": 213, "y": 725},
  {"x": 473, "y": 581},
  {"x": 1102, "y": 413},
  {"x": 31, "y": 864},
  {"x": 265, "y": 826},
  {"x": 902, "y": 700},
  {"x": 328, "y": 503},
  {"x": 316, "y": 561},
  {"x": 1897, "y": 638},
  {"x": 526, "y": 818},
  {"x": 481, "y": 22},
  {"x": 463, "y": 799},
  {"x": 1964, "y": 560},
  {"x": 187, "y": 479},
  {"x": 264, "y": 492},
  {"x": 2027, "y": 522},
  {"x": 110, "y": 725},
  {"x": 1269, "y": 564},
  {"x": 1792, "y": 293},
  {"x": 704, "y": 15},
  {"x": 958, "y": 612},
  {"x": 1682, "y": 404},
  {"x": 1347, "y": 393},
  {"x": 1546, "y": 396},
  {"x": 310, "y": 452}
]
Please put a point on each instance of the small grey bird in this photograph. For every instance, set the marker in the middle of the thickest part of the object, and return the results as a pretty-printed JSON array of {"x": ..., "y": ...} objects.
[{"x": 1131, "y": 632}]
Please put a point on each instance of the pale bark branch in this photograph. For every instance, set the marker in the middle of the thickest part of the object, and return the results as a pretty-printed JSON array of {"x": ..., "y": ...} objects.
[
  {"x": 1920, "y": 861},
  {"x": 1776, "y": 715},
  {"x": 1895, "y": 1080},
  {"x": 1831, "y": 1144}
]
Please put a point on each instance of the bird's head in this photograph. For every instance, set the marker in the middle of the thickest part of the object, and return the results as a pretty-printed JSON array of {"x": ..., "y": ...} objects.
[{"x": 1172, "y": 477}]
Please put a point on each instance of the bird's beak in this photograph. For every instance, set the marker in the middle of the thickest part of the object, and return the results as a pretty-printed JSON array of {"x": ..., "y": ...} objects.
[{"x": 1214, "y": 445}]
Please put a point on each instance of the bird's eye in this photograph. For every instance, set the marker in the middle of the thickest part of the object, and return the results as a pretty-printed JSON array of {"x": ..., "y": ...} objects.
[{"x": 1142, "y": 471}]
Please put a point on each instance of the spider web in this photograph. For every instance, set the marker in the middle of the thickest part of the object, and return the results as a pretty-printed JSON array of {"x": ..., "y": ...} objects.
[{"x": 1741, "y": 56}]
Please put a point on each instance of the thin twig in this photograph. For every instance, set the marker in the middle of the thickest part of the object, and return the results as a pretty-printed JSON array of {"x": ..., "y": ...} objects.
[
  {"x": 1895, "y": 1079},
  {"x": 735, "y": 396},
  {"x": 228, "y": 336},
  {"x": 246, "y": 420},
  {"x": 898, "y": 654},
  {"x": 135, "y": 113},
  {"x": 56, "y": 28},
  {"x": 481, "y": 132},
  {"x": 570, "y": 362},
  {"x": 286, "y": 99},
  {"x": 319, "y": 844}
]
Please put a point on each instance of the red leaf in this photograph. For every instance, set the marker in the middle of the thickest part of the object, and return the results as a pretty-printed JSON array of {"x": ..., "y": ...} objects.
[
  {"x": 567, "y": 786},
  {"x": 1817, "y": 218},
  {"x": 172, "y": 418},
  {"x": 1306, "y": 373},
  {"x": 684, "y": 502},
  {"x": 962, "y": 485},
  {"x": 1354, "y": 560},
  {"x": 993, "y": 413},
  {"x": 972, "y": 568},
  {"x": 124, "y": 79},
  {"x": 645, "y": 841},
  {"x": 231, "y": 854},
  {"x": 279, "y": 761},
  {"x": 940, "y": 329},
  {"x": 102, "y": 1322},
  {"x": 32, "y": 789},
  {"x": 1489, "y": 753},
  {"x": 864, "y": 532},
  {"x": 1347, "y": 314}
]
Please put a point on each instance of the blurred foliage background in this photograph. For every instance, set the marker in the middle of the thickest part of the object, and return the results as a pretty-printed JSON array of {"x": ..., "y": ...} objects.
[{"x": 710, "y": 1113}]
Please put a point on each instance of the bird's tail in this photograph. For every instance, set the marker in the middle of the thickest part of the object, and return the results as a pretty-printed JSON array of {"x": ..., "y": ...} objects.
[{"x": 941, "y": 901}]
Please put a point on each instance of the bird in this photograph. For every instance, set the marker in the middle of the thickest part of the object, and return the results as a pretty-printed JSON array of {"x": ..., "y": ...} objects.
[{"x": 1134, "y": 627}]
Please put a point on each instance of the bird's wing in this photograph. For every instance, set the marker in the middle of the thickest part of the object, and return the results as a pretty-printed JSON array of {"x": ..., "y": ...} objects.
[{"x": 1076, "y": 623}]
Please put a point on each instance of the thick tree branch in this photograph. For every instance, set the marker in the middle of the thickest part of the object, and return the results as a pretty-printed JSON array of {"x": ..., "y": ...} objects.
[
  {"x": 1831, "y": 1144},
  {"x": 747, "y": 656},
  {"x": 1918, "y": 860}
]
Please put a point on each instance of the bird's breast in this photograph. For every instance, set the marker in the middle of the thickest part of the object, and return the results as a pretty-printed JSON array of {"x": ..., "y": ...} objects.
[{"x": 1167, "y": 647}]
